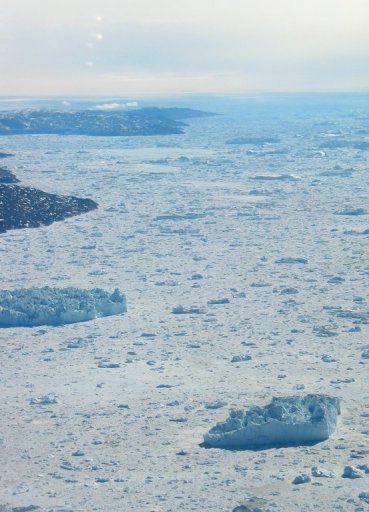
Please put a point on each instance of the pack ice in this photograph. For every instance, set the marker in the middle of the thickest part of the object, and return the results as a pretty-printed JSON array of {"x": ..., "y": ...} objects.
[
  {"x": 28, "y": 307},
  {"x": 286, "y": 421}
]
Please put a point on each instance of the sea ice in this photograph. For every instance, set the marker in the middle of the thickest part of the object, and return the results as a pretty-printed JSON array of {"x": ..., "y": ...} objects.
[
  {"x": 286, "y": 421},
  {"x": 28, "y": 307}
]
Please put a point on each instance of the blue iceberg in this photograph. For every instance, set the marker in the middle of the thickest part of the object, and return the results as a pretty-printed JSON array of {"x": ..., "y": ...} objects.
[
  {"x": 286, "y": 421},
  {"x": 29, "y": 307}
]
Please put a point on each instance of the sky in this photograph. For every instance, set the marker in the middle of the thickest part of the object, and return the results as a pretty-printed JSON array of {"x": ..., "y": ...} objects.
[{"x": 134, "y": 48}]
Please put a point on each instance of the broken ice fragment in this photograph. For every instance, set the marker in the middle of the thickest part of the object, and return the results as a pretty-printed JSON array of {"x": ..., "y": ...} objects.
[
  {"x": 238, "y": 359},
  {"x": 108, "y": 364},
  {"x": 291, "y": 261},
  {"x": 44, "y": 400},
  {"x": 180, "y": 310},
  {"x": 301, "y": 479},
  {"x": 322, "y": 473},
  {"x": 364, "y": 496},
  {"x": 352, "y": 472},
  {"x": 286, "y": 421}
]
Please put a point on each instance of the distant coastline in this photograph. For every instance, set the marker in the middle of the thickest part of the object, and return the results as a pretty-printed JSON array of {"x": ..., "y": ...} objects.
[{"x": 136, "y": 122}]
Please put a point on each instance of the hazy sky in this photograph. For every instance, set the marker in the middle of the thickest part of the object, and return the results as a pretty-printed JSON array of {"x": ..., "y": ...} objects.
[{"x": 135, "y": 47}]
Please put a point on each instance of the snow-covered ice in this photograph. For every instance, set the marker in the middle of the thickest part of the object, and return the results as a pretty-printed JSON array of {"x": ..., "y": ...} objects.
[{"x": 136, "y": 392}]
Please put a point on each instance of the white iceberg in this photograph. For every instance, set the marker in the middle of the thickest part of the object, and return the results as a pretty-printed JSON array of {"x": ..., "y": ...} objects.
[
  {"x": 29, "y": 307},
  {"x": 286, "y": 421}
]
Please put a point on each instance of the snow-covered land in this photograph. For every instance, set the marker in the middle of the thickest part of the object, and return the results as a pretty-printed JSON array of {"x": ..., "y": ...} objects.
[
  {"x": 238, "y": 289},
  {"x": 286, "y": 421},
  {"x": 55, "y": 306}
]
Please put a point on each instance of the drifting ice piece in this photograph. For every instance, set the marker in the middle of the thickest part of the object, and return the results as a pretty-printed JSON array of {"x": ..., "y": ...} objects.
[
  {"x": 286, "y": 421},
  {"x": 54, "y": 306}
]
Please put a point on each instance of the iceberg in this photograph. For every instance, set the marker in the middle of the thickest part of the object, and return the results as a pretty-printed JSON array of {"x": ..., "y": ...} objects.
[
  {"x": 29, "y": 307},
  {"x": 291, "y": 261},
  {"x": 286, "y": 421}
]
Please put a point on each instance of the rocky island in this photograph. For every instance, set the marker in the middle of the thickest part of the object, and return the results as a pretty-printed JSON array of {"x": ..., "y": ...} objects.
[{"x": 25, "y": 207}]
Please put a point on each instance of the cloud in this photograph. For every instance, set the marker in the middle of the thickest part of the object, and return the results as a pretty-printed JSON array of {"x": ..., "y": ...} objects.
[
  {"x": 116, "y": 106},
  {"x": 268, "y": 45}
]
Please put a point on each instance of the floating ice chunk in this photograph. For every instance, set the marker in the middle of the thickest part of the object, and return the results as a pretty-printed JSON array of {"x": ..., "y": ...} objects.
[
  {"x": 218, "y": 301},
  {"x": 253, "y": 505},
  {"x": 239, "y": 359},
  {"x": 335, "y": 280},
  {"x": 352, "y": 472},
  {"x": 291, "y": 261},
  {"x": 108, "y": 364},
  {"x": 286, "y": 421},
  {"x": 351, "y": 314},
  {"x": 301, "y": 479},
  {"x": 196, "y": 277},
  {"x": 28, "y": 307},
  {"x": 364, "y": 496},
  {"x": 276, "y": 177},
  {"x": 180, "y": 310},
  {"x": 322, "y": 473},
  {"x": 352, "y": 212},
  {"x": 44, "y": 400},
  {"x": 215, "y": 405},
  {"x": 342, "y": 173},
  {"x": 328, "y": 359},
  {"x": 324, "y": 332},
  {"x": 289, "y": 291},
  {"x": 180, "y": 217},
  {"x": 342, "y": 381},
  {"x": 78, "y": 343}
]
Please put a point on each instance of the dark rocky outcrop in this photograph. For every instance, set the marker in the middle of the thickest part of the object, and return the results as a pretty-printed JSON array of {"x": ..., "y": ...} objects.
[
  {"x": 7, "y": 176},
  {"x": 24, "y": 207}
]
